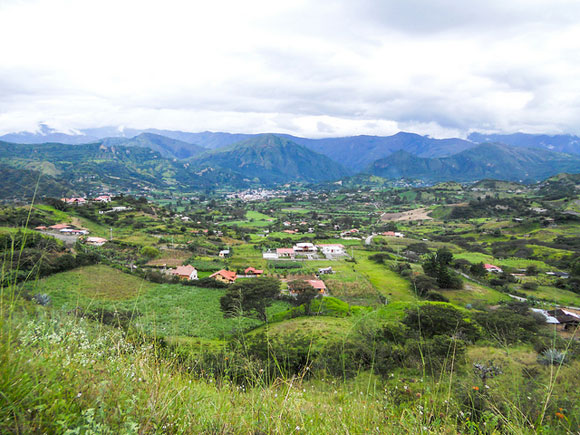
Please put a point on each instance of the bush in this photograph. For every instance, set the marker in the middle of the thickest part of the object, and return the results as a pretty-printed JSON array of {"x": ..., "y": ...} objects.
[
  {"x": 552, "y": 357},
  {"x": 434, "y": 318}
]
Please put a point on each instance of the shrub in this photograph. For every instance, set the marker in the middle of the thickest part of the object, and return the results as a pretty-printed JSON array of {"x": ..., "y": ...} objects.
[
  {"x": 434, "y": 318},
  {"x": 552, "y": 357}
]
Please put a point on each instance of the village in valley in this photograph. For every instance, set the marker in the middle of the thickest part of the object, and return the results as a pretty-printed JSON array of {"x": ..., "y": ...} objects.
[{"x": 209, "y": 273}]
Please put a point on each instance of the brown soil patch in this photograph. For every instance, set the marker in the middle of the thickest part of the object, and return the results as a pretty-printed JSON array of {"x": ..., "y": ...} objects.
[
  {"x": 419, "y": 214},
  {"x": 170, "y": 257}
]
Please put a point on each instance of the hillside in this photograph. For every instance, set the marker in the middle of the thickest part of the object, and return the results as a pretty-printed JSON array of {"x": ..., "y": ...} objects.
[
  {"x": 271, "y": 159},
  {"x": 21, "y": 183},
  {"x": 95, "y": 166},
  {"x": 483, "y": 161},
  {"x": 563, "y": 143},
  {"x": 167, "y": 147}
]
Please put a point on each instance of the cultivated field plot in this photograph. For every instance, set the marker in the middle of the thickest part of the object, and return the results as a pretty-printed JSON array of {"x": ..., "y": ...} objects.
[{"x": 418, "y": 214}]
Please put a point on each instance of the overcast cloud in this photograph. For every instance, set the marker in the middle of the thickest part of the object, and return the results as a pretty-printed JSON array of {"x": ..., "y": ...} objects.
[{"x": 311, "y": 68}]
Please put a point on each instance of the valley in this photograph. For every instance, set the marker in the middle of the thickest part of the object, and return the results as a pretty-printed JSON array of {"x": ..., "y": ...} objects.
[{"x": 425, "y": 288}]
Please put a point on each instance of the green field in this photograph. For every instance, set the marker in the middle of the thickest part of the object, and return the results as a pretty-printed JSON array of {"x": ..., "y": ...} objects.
[{"x": 161, "y": 309}]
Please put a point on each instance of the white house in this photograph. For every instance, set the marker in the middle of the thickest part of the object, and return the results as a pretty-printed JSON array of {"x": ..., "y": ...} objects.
[
  {"x": 329, "y": 249},
  {"x": 269, "y": 255}
]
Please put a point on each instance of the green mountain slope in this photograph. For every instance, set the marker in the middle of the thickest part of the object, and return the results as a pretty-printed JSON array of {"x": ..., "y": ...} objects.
[
  {"x": 98, "y": 167},
  {"x": 270, "y": 159},
  {"x": 21, "y": 183},
  {"x": 167, "y": 147},
  {"x": 483, "y": 161}
]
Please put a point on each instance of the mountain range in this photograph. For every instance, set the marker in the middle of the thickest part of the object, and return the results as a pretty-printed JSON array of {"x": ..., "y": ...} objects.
[
  {"x": 136, "y": 159},
  {"x": 497, "y": 161}
]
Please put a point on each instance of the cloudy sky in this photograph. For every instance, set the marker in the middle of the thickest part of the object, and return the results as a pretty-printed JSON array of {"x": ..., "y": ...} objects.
[{"x": 311, "y": 68}]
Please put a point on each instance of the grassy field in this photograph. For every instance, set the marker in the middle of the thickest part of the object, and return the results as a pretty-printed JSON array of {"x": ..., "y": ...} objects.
[
  {"x": 161, "y": 309},
  {"x": 473, "y": 293},
  {"x": 254, "y": 219},
  {"x": 387, "y": 282}
]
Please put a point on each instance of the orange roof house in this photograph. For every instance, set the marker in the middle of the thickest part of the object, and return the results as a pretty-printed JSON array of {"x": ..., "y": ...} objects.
[
  {"x": 252, "y": 271},
  {"x": 58, "y": 227},
  {"x": 225, "y": 276},
  {"x": 318, "y": 284}
]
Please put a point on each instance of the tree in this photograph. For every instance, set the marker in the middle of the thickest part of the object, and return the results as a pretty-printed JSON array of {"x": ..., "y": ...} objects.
[
  {"x": 250, "y": 298},
  {"x": 304, "y": 293},
  {"x": 478, "y": 270}
]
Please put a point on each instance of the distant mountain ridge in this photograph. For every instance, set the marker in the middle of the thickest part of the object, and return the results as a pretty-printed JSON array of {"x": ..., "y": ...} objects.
[
  {"x": 483, "y": 161},
  {"x": 272, "y": 159},
  {"x": 563, "y": 143},
  {"x": 167, "y": 147}
]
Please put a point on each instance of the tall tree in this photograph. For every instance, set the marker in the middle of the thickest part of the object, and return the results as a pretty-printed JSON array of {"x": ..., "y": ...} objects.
[{"x": 250, "y": 298}]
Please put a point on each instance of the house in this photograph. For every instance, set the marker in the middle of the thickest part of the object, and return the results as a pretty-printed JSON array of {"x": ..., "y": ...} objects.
[
  {"x": 565, "y": 317},
  {"x": 224, "y": 253},
  {"x": 41, "y": 228},
  {"x": 185, "y": 272},
  {"x": 224, "y": 276},
  {"x": 318, "y": 284},
  {"x": 325, "y": 270},
  {"x": 332, "y": 249},
  {"x": 290, "y": 231},
  {"x": 305, "y": 248},
  {"x": 102, "y": 198},
  {"x": 389, "y": 234},
  {"x": 492, "y": 268},
  {"x": 253, "y": 272},
  {"x": 95, "y": 241},
  {"x": 549, "y": 319},
  {"x": 269, "y": 255},
  {"x": 58, "y": 227},
  {"x": 558, "y": 274},
  {"x": 285, "y": 253},
  {"x": 75, "y": 201}
]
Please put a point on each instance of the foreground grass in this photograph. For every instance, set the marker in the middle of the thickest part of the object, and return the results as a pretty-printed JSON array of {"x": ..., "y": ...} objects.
[{"x": 64, "y": 375}]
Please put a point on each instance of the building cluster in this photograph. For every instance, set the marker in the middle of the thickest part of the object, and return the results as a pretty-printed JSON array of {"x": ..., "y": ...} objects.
[
  {"x": 82, "y": 200},
  {"x": 71, "y": 230},
  {"x": 308, "y": 251}
]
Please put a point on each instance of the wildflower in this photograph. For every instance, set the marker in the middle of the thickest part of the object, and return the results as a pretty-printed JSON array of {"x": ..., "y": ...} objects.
[
  {"x": 560, "y": 415},
  {"x": 297, "y": 427},
  {"x": 418, "y": 395},
  {"x": 80, "y": 394},
  {"x": 476, "y": 388}
]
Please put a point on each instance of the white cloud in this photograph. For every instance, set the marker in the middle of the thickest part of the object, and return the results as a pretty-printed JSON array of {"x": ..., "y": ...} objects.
[{"x": 314, "y": 68}]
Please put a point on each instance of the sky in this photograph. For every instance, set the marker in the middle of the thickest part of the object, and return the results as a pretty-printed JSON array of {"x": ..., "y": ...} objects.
[{"x": 320, "y": 68}]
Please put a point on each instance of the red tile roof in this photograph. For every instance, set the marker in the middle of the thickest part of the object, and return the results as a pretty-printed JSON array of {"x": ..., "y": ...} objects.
[
  {"x": 318, "y": 284},
  {"x": 251, "y": 270},
  {"x": 227, "y": 274}
]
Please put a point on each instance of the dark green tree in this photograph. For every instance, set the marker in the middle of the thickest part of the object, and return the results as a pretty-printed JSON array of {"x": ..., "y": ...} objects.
[{"x": 250, "y": 298}]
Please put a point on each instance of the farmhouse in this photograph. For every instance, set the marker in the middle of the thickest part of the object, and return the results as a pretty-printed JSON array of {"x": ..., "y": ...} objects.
[
  {"x": 305, "y": 248},
  {"x": 185, "y": 272},
  {"x": 58, "y": 227},
  {"x": 224, "y": 253},
  {"x": 224, "y": 276},
  {"x": 332, "y": 249},
  {"x": 95, "y": 241},
  {"x": 251, "y": 271},
  {"x": 565, "y": 317},
  {"x": 325, "y": 270},
  {"x": 102, "y": 198},
  {"x": 492, "y": 268},
  {"x": 269, "y": 255},
  {"x": 76, "y": 201},
  {"x": 318, "y": 284},
  {"x": 285, "y": 253}
]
